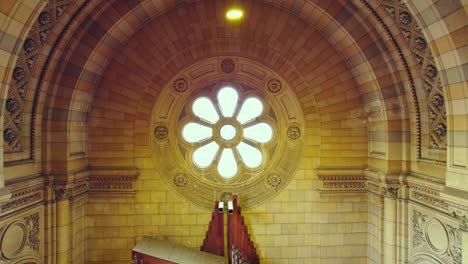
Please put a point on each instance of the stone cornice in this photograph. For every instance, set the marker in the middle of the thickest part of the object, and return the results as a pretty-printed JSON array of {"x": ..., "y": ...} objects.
[
  {"x": 112, "y": 181},
  {"x": 407, "y": 187},
  {"x": 342, "y": 181}
]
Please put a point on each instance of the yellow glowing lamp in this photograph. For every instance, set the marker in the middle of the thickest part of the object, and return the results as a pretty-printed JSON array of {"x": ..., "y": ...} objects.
[{"x": 234, "y": 14}]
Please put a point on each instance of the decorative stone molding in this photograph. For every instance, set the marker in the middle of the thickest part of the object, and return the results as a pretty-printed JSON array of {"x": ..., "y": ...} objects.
[
  {"x": 180, "y": 180},
  {"x": 23, "y": 195},
  {"x": 173, "y": 154},
  {"x": 391, "y": 191},
  {"x": 435, "y": 238},
  {"x": 428, "y": 199},
  {"x": 417, "y": 43},
  {"x": 228, "y": 65},
  {"x": 274, "y": 180},
  {"x": 180, "y": 85},
  {"x": 294, "y": 132},
  {"x": 161, "y": 132},
  {"x": 274, "y": 85},
  {"x": 461, "y": 216},
  {"x": 22, "y": 74},
  {"x": 342, "y": 180},
  {"x": 62, "y": 193},
  {"x": 21, "y": 238},
  {"x": 112, "y": 182}
]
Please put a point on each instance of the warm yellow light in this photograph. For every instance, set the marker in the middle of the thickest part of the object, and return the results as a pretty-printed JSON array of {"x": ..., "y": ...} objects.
[{"x": 234, "y": 13}]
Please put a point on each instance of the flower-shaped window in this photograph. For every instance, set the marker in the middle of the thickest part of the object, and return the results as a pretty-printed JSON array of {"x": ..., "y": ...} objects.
[{"x": 228, "y": 132}]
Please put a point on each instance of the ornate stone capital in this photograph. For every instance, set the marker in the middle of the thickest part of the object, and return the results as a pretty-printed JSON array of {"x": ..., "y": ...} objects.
[
  {"x": 62, "y": 193},
  {"x": 391, "y": 191}
]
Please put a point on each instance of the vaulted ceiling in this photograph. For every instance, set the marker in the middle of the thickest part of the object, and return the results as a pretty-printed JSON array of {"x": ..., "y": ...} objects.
[{"x": 362, "y": 70}]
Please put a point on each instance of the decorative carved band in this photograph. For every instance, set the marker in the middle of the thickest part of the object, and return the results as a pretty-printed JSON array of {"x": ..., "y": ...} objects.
[
  {"x": 23, "y": 201},
  {"x": 119, "y": 182},
  {"x": 340, "y": 180},
  {"x": 23, "y": 195}
]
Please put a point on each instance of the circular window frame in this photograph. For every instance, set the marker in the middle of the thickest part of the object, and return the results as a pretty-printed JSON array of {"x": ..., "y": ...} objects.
[
  {"x": 244, "y": 173},
  {"x": 281, "y": 155}
]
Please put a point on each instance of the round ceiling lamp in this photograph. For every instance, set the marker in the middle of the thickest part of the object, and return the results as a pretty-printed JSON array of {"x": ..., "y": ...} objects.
[{"x": 234, "y": 13}]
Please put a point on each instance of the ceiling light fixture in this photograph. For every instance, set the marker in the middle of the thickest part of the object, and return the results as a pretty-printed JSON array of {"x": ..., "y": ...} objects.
[{"x": 234, "y": 13}]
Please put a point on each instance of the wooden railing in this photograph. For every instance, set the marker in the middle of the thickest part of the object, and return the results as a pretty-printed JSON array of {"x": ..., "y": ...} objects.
[
  {"x": 214, "y": 239},
  {"x": 241, "y": 249}
]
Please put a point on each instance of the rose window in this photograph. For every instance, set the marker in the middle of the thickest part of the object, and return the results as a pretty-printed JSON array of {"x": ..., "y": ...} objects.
[{"x": 227, "y": 132}]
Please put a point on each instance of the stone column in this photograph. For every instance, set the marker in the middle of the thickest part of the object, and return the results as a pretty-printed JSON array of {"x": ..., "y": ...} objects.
[
  {"x": 390, "y": 226},
  {"x": 62, "y": 196}
]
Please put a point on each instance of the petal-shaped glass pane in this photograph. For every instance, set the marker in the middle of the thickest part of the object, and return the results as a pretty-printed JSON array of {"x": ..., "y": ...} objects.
[
  {"x": 204, "y": 108},
  {"x": 252, "y": 157},
  {"x": 261, "y": 132},
  {"x": 203, "y": 156},
  {"x": 227, "y": 166},
  {"x": 251, "y": 109},
  {"x": 193, "y": 132},
  {"x": 227, "y": 99}
]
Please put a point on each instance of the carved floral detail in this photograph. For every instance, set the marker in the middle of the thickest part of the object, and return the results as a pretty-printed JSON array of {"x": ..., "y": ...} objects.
[
  {"x": 411, "y": 31},
  {"x": 180, "y": 180},
  {"x": 161, "y": 132},
  {"x": 440, "y": 130},
  {"x": 418, "y": 224},
  {"x": 62, "y": 194},
  {"x": 181, "y": 85},
  {"x": 294, "y": 132},
  {"x": 32, "y": 222},
  {"x": 422, "y": 241},
  {"x": 43, "y": 36},
  {"x": 18, "y": 74},
  {"x": 12, "y": 105},
  {"x": 9, "y": 135},
  {"x": 274, "y": 85},
  {"x": 274, "y": 180},
  {"x": 45, "y": 18},
  {"x": 29, "y": 45},
  {"x": 405, "y": 18},
  {"x": 438, "y": 101},
  {"x": 391, "y": 192},
  {"x": 228, "y": 65},
  {"x": 420, "y": 44},
  {"x": 431, "y": 71}
]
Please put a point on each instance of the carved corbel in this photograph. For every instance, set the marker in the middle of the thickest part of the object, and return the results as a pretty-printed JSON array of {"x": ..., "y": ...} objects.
[
  {"x": 391, "y": 192},
  {"x": 462, "y": 217},
  {"x": 62, "y": 193}
]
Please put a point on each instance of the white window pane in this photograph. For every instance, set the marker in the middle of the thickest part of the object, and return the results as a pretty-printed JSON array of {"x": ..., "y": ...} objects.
[
  {"x": 193, "y": 132},
  {"x": 227, "y": 99},
  {"x": 227, "y": 166},
  {"x": 228, "y": 132},
  {"x": 261, "y": 132},
  {"x": 252, "y": 157},
  {"x": 204, "y": 108},
  {"x": 251, "y": 109},
  {"x": 204, "y": 156}
]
